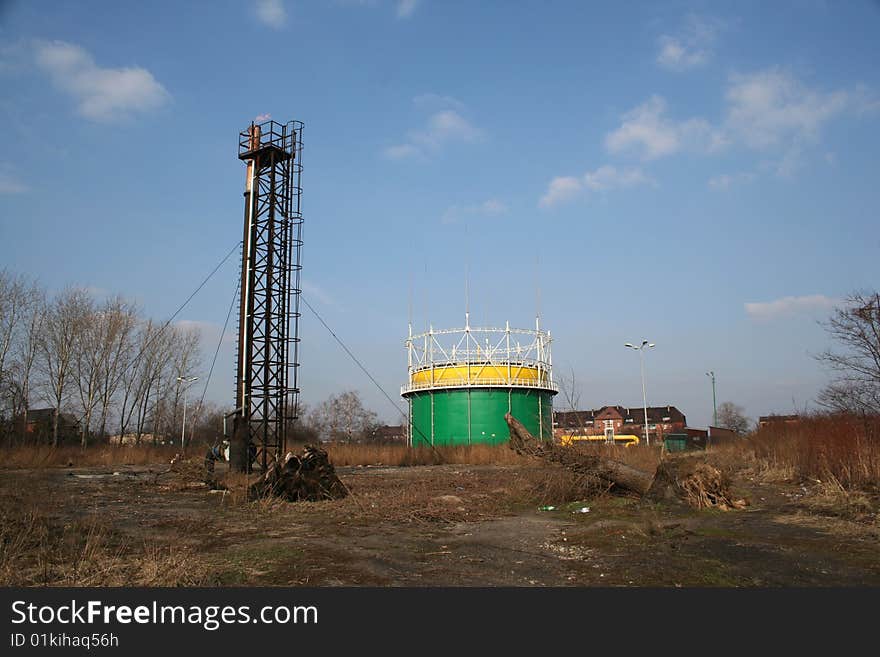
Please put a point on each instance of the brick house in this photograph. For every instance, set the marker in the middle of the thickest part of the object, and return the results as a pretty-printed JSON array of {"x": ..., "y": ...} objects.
[{"x": 623, "y": 420}]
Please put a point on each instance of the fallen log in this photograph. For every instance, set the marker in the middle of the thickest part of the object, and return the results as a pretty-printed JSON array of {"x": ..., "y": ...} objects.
[
  {"x": 307, "y": 477},
  {"x": 686, "y": 479},
  {"x": 613, "y": 473}
]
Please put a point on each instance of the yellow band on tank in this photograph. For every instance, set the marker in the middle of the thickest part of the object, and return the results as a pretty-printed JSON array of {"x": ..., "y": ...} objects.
[{"x": 476, "y": 374}]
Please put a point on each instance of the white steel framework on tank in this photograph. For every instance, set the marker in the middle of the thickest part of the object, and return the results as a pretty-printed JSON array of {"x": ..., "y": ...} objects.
[{"x": 509, "y": 350}]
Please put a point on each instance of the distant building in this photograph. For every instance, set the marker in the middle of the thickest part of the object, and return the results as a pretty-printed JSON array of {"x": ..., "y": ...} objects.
[
  {"x": 132, "y": 439},
  {"x": 713, "y": 435},
  {"x": 623, "y": 420},
  {"x": 777, "y": 420},
  {"x": 40, "y": 423},
  {"x": 392, "y": 434}
]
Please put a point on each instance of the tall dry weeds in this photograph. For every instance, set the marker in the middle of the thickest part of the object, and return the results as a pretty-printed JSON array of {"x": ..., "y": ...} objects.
[{"x": 841, "y": 448}]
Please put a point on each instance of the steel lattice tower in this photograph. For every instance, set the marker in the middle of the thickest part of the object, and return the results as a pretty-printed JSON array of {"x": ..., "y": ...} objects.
[{"x": 268, "y": 328}]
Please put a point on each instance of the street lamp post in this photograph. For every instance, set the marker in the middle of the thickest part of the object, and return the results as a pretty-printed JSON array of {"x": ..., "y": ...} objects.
[
  {"x": 711, "y": 375},
  {"x": 640, "y": 348},
  {"x": 185, "y": 380}
]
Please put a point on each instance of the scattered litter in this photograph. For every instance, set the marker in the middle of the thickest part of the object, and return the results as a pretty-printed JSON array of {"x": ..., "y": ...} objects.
[
  {"x": 583, "y": 509},
  {"x": 547, "y": 508}
]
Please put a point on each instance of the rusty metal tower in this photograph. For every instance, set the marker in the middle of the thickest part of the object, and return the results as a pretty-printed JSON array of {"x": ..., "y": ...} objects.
[{"x": 268, "y": 322}]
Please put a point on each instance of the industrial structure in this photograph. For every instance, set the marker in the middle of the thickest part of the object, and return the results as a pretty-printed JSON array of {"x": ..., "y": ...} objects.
[
  {"x": 267, "y": 359},
  {"x": 461, "y": 383}
]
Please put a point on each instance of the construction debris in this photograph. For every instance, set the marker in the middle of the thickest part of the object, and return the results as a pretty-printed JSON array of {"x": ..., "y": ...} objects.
[
  {"x": 684, "y": 478},
  {"x": 308, "y": 477}
]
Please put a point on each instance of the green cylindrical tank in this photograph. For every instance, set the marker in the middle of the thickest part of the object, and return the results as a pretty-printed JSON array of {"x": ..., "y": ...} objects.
[
  {"x": 459, "y": 395},
  {"x": 476, "y": 415}
]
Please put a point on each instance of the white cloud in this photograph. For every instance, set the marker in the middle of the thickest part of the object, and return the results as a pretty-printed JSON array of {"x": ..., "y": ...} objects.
[
  {"x": 769, "y": 110},
  {"x": 608, "y": 177},
  {"x": 725, "y": 181},
  {"x": 271, "y": 13},
  {"x": 9, "y": 182},
  {"x": 492, "y": 207},
  {"x": 675, "y": 56},
  {"x": 786, "y": 306},
  {"x": 561, "y": 189},
  {"x": 489, "y": 208},
  {"x": 259, "y": 118},
  {"x": 442, "y": 127},
  {"x": 405, "y": 8},
  {"x": 401, "y": 151},
  {"x": 771, "y": 107},
  {"x": 102, "y": 94},
  {"x": 691, "y": 47},
  {"x": 605, "y": 178},
  {"x": 647, "y": 132}
]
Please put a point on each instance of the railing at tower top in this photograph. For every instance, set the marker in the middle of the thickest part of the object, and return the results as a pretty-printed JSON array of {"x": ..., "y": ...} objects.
[
  {"x": 269, "y": 134},
  {"x": 504, "y": 350},
  {"x": 479, "y": 382}
]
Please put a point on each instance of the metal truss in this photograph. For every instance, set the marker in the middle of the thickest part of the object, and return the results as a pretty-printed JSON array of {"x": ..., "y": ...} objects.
[{"x": 267, "y": 389}]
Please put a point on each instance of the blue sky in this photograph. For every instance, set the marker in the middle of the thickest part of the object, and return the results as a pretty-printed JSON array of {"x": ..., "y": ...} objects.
[{"x": 703, "y": 175}]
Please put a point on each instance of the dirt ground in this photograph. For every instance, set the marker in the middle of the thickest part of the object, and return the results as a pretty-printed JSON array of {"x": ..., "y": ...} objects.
[{"x": 448, "y": 525}]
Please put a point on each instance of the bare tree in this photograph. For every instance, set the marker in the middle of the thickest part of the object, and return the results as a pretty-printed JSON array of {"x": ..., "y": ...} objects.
[
  {"x": 155, "y": 354},
  {"x": 185, "y": 358},
  {"x": 12, "y": 298},
  {"x": 63, "y": 323},
  {"x": 733, "y": 417},
  {"x": 855, "y": 368},
  {"x": 26, "y": 354},
  {"x": 15, "y": 297},
  {"x": 21, "y": 307},
  {"x": 570, "y": 390},
  {"x": 343, "y": 417},
  {"x": 132, "y": 376},
  {"x": 121, "y": 320},
  {"x": 571, "y": 393},
  {"x": 86, "y": 363}
]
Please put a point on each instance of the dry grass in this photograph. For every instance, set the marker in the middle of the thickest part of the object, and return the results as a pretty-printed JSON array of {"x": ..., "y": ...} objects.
[
  {"x": 40, "y": 456},
  {"x": 830, "y": 498},
  {"x": 44, "y": 456},
  {"x": 841, "y": 449},
  {"x": 401, "y": 455},
  {"x": 37, "y": 550}
]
